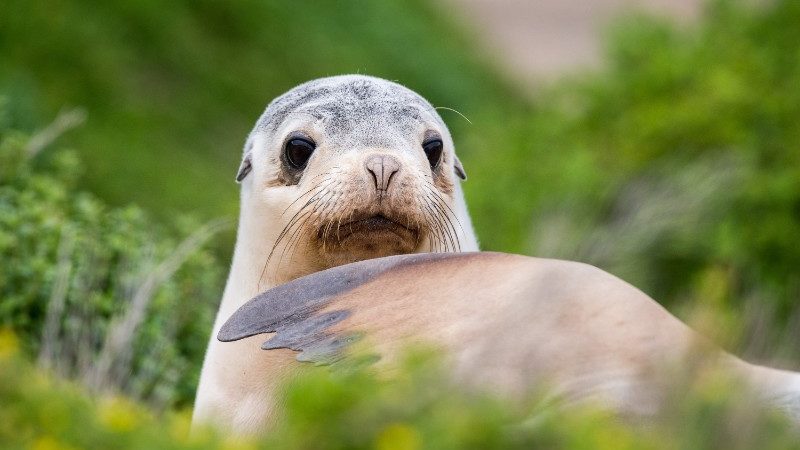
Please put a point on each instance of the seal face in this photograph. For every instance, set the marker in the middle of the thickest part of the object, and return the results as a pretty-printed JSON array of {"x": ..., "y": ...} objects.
[{"x": 356, "y": 167}]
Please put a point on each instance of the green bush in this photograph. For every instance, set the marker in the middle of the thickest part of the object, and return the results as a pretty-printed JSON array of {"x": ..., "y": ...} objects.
[
  {"x": 676, "y": 167},
  {"x": 42, "y": 413},
  {"x": 353, "y": 407},
  {"x": 90, "y": 289}
]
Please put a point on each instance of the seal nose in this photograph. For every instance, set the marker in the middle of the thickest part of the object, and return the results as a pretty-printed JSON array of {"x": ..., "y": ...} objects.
[{"x": 382, "y": 168}]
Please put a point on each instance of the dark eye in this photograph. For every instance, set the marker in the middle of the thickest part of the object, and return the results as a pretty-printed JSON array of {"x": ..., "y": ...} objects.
[
  {"x": 433, "y": 150},
  {"x": 298, "y": 151}
]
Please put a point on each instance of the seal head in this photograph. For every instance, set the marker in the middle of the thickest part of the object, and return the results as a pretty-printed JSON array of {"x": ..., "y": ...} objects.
[{"x": 350, "y": 168}]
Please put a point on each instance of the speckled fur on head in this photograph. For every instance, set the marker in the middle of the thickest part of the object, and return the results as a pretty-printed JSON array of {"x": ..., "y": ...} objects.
[
  {"x": 340, "y": 101},
  {"x": 351, "y": 107}
]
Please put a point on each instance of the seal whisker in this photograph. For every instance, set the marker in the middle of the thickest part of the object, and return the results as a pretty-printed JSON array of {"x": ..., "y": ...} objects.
[
  {"x": 297, "y": 229},
  {"x": 338, "y": 227},
  {"x": 289, "y": 231},
  {"x": 443, "y": 242},
  {"x": 299, "y": 215},
  {"x": 440, "y": 217},
  {"x": 444, "y": 232},
  {"x": 433, "y": 239},
  {"x": 339, "y": 218},
  {"x": 285, "y": 231},
  {"x": 450, "y": 228},
  {"x": 451, "y": 109},
  {"x": 430, "y": 199},
  {"x": 326, "y": 228},
  {"x": 315, "y": 188},
  {"x": 432, "y": 189},
  {"x": 314, "y": 198},
  {"x": 442, "y": 203},
  {"x": 323, "y": 202},
  {"x": 294, "y": 239},
  {"x": 434, "y": 224},
  {"x": 332, "y": 204},
  {"x": 323, "y": 185},
  {"x": 311, "y": 200},
  {"x": 349, "y": 219}
]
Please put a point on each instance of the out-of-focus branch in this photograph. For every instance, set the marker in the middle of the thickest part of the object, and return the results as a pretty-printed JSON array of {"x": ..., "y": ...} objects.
[
  {"x": 65, "y": 121},
  {"x": 115, "y": 355},
  {"x": 55, "y": 307}
]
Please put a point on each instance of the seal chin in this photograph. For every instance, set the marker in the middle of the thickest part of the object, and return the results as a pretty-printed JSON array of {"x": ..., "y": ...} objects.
[{"x": 365, "y": 238}]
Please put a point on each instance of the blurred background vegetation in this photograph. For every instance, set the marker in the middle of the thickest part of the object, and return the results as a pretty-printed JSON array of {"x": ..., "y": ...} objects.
[{"x": 676, "y": 166}]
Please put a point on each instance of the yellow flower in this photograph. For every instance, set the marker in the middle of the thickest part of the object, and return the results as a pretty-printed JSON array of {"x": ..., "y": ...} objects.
[
  {"x": 180, "y": 427},
  {"x": 398, "y": 436},
  {"x": 8, "y": 344},
  {"x": 49, "y": 443},
  {"x": 238, "y": 444},
  {"x": 119, "y": 415}
]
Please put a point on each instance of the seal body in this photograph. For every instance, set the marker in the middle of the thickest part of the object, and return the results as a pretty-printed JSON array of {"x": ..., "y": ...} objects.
[
  {"x": 509, "y": 324},
  {"x": 336, "y": 170}
]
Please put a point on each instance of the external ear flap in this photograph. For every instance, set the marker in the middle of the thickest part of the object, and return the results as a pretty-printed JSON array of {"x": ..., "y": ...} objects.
[
  {"x": 458, "y": 168},
  {"x": 247, "y": 161},
  {"x": 244, "y": 168}
]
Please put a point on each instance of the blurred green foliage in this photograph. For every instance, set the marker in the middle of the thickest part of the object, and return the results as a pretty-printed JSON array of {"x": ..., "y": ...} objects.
[
  {"x": 172, "y": 89},
  {"x": 39, "y": 412},
  {"x": 72, "y": 267},
  {"x": 676, "y": 167},
  {"x": 353, "y": 407}
]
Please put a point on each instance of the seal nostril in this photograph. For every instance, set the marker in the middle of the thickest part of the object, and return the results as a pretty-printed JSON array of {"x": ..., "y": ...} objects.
[
  {"x": 391, "y": 175},
  {"x": 374, "y": 177},
  {"x": 382, "y": 168}
]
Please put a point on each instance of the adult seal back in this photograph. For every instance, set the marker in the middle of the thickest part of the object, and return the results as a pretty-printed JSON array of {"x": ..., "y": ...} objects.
[{"x": 336, "y": 170}]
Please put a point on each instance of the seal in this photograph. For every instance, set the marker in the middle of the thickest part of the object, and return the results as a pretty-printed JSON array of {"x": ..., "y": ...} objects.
[
  {"x": 510, "y": 324},
  {"x": 336, "y": 170}
]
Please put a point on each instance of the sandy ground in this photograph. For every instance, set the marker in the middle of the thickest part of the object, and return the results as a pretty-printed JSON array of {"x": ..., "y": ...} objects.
[{"x": 538, "y": 40}]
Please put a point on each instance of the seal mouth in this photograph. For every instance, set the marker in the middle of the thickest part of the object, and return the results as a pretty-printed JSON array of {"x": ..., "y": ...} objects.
[
  {"x": 374, "y": 224},
  {"x": 365, "y": 237}
]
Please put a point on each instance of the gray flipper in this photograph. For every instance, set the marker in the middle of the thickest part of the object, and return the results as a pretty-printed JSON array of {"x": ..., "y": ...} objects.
[{"x": 291, "y": 310}]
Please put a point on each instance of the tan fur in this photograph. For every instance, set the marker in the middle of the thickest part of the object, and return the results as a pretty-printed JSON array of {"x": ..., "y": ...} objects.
[
  {"x": 351, "y": 119},
  {"x": 514, "y": 325}
]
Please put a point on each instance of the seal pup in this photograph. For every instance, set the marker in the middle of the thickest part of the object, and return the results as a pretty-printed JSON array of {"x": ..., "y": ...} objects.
[
  {"x": 507, "y": 323},
  {"x": 336, "y": 170}
]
